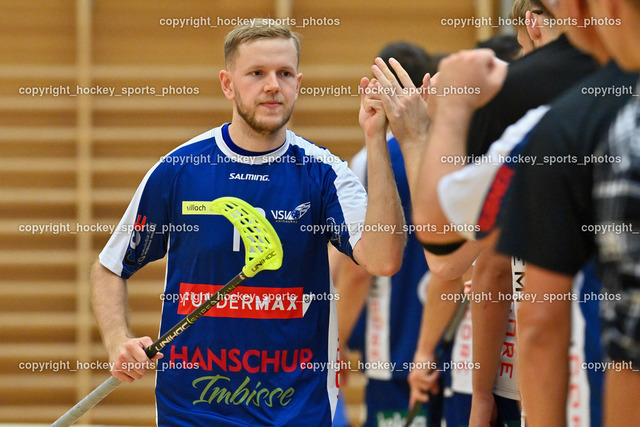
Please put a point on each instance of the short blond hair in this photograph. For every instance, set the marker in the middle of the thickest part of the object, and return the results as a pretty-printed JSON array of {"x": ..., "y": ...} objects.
[
  {"x": 519, "y": 9},
  {"x": 250, "y": 32}
]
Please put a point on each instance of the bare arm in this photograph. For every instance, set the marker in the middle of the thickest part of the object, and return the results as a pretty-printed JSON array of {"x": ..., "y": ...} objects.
[
  {"x": 406, "y": 110},
  {"x": 379, "y": 251},
  {"x": 109, "y": 301},
  {"x": 544, "y": 333},
  {"x": 447, "y": 140},
  {"x": 453, "y": 265},
  {"x": 491, "y": 275},
  {"x": 436, "y": 315}
]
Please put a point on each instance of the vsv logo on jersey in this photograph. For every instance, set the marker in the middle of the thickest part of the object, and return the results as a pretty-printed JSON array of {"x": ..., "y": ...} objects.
[{"x": 291, "y": 216}]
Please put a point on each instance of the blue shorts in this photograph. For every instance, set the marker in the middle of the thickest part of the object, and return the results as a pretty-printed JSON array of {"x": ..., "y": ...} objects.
[{"x": 457, "y": 409}]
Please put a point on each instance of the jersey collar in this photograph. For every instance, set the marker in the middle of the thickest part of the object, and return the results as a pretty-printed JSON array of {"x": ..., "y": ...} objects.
[{"x": 240, "y": 155}]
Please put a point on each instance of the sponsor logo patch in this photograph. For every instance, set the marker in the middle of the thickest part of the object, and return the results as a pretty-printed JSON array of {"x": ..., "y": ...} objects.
[{"x": 245, "y": 302}]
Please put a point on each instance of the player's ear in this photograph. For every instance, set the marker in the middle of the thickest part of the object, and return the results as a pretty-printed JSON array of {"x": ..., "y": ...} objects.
[
  {"x": 226, "y": 84},
  {"x": 533, "y": 26}
]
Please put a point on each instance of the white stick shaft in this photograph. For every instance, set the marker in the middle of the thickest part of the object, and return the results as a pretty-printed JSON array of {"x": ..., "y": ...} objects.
[{"x": 90, "y": 400}]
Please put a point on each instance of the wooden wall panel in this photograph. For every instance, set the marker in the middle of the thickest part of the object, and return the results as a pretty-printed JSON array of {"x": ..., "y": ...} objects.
[{"x": 37, "y": 32}]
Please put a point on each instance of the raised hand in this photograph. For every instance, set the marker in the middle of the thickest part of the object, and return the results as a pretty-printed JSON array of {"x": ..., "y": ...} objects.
[
  {"x": 406, "y": 108},
  {"x": 372, "y": 116}
]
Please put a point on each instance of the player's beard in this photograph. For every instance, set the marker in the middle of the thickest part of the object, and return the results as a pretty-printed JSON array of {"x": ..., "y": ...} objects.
[{"x": 249, "y": 115}]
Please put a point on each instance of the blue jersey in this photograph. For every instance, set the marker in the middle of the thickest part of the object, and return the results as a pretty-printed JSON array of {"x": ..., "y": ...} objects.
[
  {"x": 394, "y": 305},
  {"x": 266, "y": 354}
]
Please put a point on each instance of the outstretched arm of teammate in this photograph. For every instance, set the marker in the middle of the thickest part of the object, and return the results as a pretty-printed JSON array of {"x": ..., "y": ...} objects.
[
  {"x": 437, "y": 313},
  {"x": 544, "y": 333},
  {"x": 451, "y": 114},
  {"x": 379, "y": 251},
  {"x": 109, "y": 301}
]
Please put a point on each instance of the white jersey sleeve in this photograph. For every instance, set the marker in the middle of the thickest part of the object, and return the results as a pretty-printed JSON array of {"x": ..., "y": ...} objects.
[{"x": 462, "y": 194}]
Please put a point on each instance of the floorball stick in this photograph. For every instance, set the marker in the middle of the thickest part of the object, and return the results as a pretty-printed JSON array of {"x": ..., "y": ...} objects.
[
  {"x": 447, "y": 339},
  {"x": 263, "y": 251}
]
